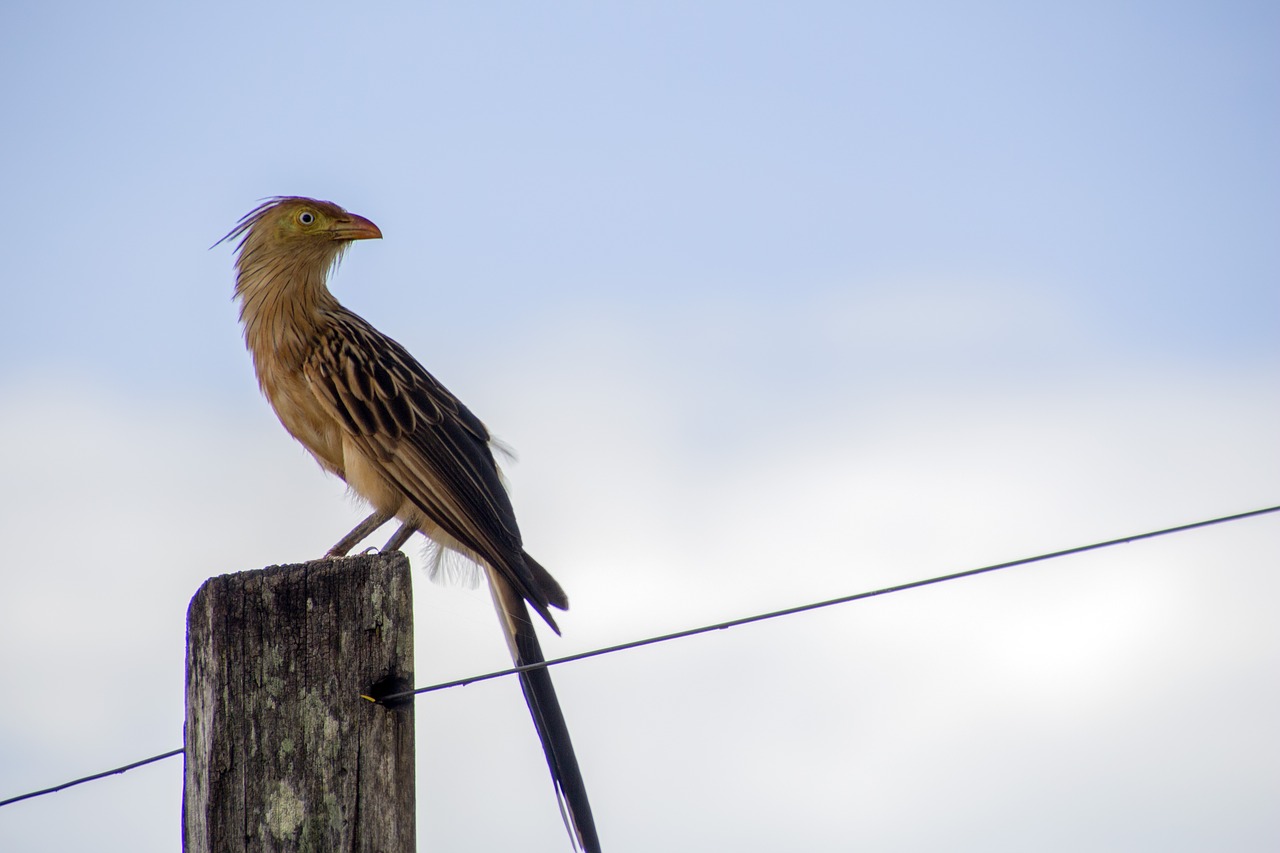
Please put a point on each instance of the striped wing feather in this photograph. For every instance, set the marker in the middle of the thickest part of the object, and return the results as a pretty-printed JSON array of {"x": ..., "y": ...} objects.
[{"x": 425, "y": 442}]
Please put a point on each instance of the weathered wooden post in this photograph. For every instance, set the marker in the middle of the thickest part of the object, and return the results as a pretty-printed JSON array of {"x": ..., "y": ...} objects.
[{"x": 282, "y": 753}]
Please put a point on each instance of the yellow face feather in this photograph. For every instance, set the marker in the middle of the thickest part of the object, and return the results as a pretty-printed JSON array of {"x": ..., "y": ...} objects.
[{"x": 295, "y": 220}]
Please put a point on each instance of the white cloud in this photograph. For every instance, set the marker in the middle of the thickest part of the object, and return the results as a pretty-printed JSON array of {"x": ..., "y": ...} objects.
[{"x": 989, "y": 702}]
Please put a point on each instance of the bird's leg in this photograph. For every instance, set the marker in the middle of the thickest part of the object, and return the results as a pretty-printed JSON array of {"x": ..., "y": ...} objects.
[
  {"x": 402, "y": 536},
  {"x": 362, "y": 530}
]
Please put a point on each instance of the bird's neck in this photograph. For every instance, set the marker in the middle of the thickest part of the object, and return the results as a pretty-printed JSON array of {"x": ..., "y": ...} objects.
[{"x": 284, "y": 302}]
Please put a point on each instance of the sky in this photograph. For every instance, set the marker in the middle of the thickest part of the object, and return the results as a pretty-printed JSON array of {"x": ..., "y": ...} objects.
[{"x": 776, "y": 302}]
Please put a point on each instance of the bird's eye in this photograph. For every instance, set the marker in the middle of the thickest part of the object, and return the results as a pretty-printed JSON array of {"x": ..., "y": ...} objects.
[{"x": 306, "y": 217}]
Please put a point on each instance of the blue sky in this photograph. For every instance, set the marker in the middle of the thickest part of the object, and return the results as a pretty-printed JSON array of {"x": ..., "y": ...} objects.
[{"x": 776, "y": 302}]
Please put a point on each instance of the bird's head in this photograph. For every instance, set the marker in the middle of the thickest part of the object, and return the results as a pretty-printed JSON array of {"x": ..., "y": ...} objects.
[{"x": 302, "y": 228}]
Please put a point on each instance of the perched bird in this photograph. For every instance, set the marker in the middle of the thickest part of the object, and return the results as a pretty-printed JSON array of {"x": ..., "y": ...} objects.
[{"x": 370, "y": 413}]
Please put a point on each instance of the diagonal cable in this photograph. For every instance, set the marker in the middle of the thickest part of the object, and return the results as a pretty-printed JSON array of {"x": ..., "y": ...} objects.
[
  {"x": 803, "y": 608},
  {"x": 170, "y": 754}
]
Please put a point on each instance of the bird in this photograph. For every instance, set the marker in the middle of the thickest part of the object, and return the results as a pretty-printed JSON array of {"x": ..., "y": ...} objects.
[{"x": 371, "y": 414}]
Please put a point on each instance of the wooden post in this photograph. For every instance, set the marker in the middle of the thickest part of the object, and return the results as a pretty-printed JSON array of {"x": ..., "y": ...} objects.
[{"x": 282, "y": 753}]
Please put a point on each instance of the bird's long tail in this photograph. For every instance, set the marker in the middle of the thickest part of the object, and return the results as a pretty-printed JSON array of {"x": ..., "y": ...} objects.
[{"x": 540, "y": 695}]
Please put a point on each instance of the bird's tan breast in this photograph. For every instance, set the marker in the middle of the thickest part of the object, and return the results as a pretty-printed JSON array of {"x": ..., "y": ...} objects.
[
  {"x": 310, "y": 422},
  {"x": 301, "y": 414},
  {"x": 367, "y": 480}
]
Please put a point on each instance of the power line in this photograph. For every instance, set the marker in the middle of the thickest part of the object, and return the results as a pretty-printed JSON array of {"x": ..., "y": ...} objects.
[
  {"x": 719, "y": 626},
  {"x": 803, "y": 608},
  {"x": 170, "y": 754}
]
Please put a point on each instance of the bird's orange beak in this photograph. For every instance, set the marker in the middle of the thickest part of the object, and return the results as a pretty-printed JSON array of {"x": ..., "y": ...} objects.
[{"x": 353, "y": 227}]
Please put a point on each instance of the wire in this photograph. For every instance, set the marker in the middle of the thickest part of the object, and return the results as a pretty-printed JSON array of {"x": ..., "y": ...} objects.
[
  {"x": 804, "y": 608},
  {"x": 170, "y": 754},
  {"x": 720, "y": 626}
]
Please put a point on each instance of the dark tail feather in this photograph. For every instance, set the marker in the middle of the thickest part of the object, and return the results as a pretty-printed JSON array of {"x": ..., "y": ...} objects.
[{"x": 540, "y": 695}]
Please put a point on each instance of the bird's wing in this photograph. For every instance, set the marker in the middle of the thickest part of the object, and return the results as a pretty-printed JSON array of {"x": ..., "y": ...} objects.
[
  {"x": 426, "y": 443},
  {"x": 423, "y": 441}
]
